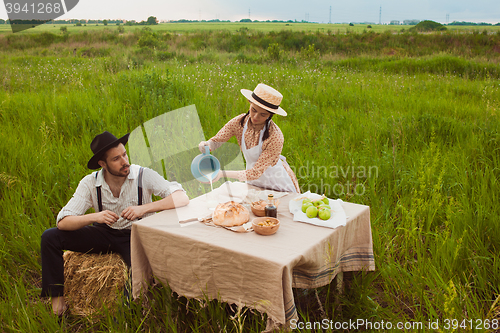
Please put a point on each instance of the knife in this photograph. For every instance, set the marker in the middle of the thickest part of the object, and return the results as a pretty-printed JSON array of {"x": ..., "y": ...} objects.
[{"x": 196, "y": 219}]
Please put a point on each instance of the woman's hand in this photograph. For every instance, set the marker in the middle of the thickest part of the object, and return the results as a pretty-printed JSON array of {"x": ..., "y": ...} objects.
[
  {"x": 219, "y": 175},
  {"x": 201, "y": 146}
]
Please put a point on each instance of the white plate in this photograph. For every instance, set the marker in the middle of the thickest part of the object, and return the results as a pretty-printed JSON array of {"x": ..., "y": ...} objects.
[{"x": 337, "y": 219}]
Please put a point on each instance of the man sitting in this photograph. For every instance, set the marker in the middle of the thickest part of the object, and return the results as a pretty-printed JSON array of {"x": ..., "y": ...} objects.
[{"x": 119, "y": 193}]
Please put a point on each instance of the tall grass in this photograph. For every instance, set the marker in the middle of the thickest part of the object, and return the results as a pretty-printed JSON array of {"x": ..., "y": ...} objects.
[
  {"x": 247, "y": 42},
  {"x": 415, "y": 138}
]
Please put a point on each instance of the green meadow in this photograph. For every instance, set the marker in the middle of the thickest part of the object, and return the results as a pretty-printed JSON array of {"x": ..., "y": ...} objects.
[
  {"x": 405, "y": 123},
  {"x": 235, "y": 26}
]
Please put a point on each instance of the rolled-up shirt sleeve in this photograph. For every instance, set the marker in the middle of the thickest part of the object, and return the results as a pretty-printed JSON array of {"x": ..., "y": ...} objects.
[{"x": 81, "y": 200}]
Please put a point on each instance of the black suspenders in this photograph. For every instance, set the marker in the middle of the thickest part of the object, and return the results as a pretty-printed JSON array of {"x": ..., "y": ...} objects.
[
  {"x": 139, "y": 190},
  {"x": 139, "y": 187}
]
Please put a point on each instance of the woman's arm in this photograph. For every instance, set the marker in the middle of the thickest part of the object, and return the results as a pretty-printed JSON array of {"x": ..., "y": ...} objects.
[{"x": 271, "y": 150}]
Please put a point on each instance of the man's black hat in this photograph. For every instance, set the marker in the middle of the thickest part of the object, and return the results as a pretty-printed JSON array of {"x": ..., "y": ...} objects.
[{"x": 101, "y": 144}]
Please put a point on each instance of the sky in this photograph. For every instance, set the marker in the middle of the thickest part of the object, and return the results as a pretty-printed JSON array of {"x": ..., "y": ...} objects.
[{"x": 442, "y": 11}]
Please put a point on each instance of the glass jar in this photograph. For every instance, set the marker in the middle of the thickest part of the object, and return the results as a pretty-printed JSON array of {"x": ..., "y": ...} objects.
[{"x": 271, "y": 210}]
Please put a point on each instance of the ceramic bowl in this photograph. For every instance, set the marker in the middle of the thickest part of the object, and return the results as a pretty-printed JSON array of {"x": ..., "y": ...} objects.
[{"x": 265, "y": 230}]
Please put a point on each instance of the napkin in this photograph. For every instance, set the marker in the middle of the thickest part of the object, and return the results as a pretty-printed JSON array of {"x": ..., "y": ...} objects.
[
  {"x": 337, "y": 219},
  {"x": 232, "y": 191}
]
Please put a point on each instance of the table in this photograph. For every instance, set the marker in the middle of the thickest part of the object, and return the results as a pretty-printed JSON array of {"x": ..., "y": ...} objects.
[{"x": 247, "y": 269}]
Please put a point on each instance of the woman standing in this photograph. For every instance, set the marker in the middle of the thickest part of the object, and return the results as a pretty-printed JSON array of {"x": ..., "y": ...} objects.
[{"x": 261, "y": 142}]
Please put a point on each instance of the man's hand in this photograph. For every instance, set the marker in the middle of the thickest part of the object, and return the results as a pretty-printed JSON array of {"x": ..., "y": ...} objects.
[
  {"x": 133, "y": 212},
  {"x": 107, "y": 216},
  {"x": 75, "y": 222}
]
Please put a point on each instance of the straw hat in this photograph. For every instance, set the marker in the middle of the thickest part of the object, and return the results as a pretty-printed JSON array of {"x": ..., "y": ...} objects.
[
  {"x": 266, "y": 97},
  {"x": 101, "y": 144}
]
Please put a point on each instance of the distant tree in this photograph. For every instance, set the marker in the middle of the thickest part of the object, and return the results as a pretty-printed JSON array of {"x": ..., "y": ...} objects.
[
  {"x": 105, "y": 22},
  {"x": 245, "y": 20},
  {"x": 78, "y": 24},
  {"x": 2, "y": 21},
  {"x": 369, "y": 27},
  {"x": 152, "y": 20},
  {"x": 428, "y": 26},
  {"x": 351, "y": 24}
]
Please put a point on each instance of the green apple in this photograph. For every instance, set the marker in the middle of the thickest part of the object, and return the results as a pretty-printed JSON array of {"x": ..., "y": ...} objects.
[
  {"x": 306, "y": 200},
  {"x": 323, "y": 206},
  {"x": 305, "y": 206},
  {"x": 325, "y": 200},
  {"x": 324, "y": 214},
  {"x": 311, "y": 212},
  {"x": 317, "y": 203}
]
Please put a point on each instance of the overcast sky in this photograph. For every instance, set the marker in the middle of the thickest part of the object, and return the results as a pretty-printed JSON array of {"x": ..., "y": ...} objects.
[{"x": 311, "y": 10}]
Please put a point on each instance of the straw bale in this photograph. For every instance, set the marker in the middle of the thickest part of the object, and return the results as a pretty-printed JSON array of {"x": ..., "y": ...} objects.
[{"x": 92, "y": 281}]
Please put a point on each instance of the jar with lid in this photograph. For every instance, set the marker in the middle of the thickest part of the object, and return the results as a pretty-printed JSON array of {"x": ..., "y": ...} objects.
[{"x": 271, "y": 210}]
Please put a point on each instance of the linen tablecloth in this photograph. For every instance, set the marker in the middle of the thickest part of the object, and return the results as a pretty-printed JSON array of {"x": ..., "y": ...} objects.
[{"x": 247, "y": 269}]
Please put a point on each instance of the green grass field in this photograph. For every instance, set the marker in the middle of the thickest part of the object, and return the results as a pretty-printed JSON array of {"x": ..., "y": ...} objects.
[
  {"x": 235, "y": 26},
  {"x": 419, "y": 111}
]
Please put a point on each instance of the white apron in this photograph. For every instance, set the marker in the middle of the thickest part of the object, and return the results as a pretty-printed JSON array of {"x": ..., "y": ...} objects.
[{"x": 274, "y": 177}]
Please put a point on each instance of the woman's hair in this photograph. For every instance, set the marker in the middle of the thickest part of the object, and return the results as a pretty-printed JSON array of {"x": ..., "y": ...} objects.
[{"x": 266, "y": 132}]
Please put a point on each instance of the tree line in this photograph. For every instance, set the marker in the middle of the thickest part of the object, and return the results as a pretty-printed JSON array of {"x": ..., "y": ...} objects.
[
  {"x": 471, "y": 23},
  {"x": 153, "y": 20},
  {"x": 150, "y": 21}
]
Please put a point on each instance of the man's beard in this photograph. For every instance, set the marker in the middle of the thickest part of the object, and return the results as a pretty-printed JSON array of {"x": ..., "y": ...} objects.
[{"x": 119, "y": 173}]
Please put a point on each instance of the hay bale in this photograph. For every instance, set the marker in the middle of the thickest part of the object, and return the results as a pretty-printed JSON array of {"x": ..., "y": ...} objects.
[{"x": 92, "y": 281}]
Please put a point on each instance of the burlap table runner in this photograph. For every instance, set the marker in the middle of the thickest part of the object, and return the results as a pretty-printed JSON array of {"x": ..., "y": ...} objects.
[{"x": 247, "y": 269}]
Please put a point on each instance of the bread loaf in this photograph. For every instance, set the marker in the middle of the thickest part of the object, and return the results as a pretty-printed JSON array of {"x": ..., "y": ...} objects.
[{"x": 230, "y": 214}]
